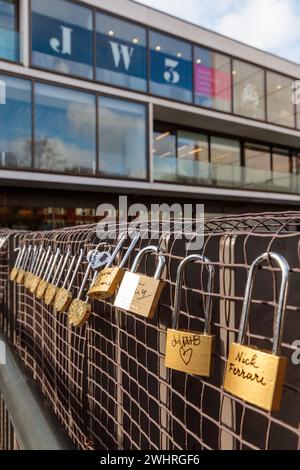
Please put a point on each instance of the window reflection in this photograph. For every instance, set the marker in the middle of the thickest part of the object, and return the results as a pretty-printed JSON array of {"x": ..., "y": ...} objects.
[
  {"x": 9, "y": 36},
  {"x": 65, "y": 129},
  {"x": 280, "y": 106},
  {"x": 62, "y": 37},
  {"x": 122, "y": 138},
  {"x": 225, "y": 161},
  {"x": 282, "y": 168},
  {"x": 121, "y": 53},
  {"x": 170, "y": 67},
  {"x": 257, "y": 165},
  {"x": 212, "y": 79},
  {"x": 249, "y": 90},
  {"x": 16, "y": 123}
]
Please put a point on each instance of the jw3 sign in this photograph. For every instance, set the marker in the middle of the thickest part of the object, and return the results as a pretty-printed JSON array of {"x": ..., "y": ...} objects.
[{"x": 70, "y": 42}]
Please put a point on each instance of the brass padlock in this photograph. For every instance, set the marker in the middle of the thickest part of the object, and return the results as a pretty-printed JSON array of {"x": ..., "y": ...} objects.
[
  {"x": 25, "y": 264},
  {"x": 80, "y": 310},
  {"x": 254, "y": 375},
  {"x": 35, "y": 279},
  {"x": 34, "y": 263},
  {"x": 64, "y": 296},
  {"x": 139, "y": 293},
  {"x": 52, "y": 288},
  {"x": 41, "y": 289},
  {"x": 15, "y": 269},
  {"x": 191, "y": 351},
  {"x": 109, "y": 278}
]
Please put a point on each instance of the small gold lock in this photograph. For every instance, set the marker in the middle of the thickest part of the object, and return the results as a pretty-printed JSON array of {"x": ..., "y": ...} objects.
[
  {"x": 109, "y": 278},
  {"x": 33, "y": 266},
  {"x": 191, "y": 351},
  {"x": 139, "y": 293},
  {"x": 80, "y": 310},
  {"x": 254, "y": 375},
  {"x": 41, "y": 289},
  {"x": 36, "y": 277},
  {"x": 14, "y": 271},
  {"x": 63, "y": 296},
  {"x": 52, "y": 288},
  {"x": 23, "y": 269}
]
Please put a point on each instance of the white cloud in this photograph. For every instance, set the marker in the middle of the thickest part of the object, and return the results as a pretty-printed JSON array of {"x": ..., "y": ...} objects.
[{"x": 271, "y": 25}]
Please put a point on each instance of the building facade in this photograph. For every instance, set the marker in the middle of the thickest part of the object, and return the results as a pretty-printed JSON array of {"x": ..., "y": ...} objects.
[{"x": 105, "y": 98}]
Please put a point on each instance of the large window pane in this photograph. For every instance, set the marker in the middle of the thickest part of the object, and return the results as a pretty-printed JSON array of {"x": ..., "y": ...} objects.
[
  {"x": 170, "y": 67},
  {"x": 225, "y": 161},
  {"x": 121, "y": 53},
  {"x": 122, "y": 138},
  {"x": 16, "y": 123},
  {"x": 212, "y": 79},
  {"x": 257, "y": 166},
  {"x": 282, "y": 169},
  {"x": 62, "y": 37},
  {"x": 164, "y": 153},
  {"x": 249, "y": 90},
  {"x": 192, "y": 157},
  {"x": 9, "y": 36},
  {"x": 65, "y": 129},
  {"x": 280, "y": 106}
]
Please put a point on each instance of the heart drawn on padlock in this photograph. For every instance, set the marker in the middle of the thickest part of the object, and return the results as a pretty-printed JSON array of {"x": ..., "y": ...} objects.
[{"x": 186, "y": 355}]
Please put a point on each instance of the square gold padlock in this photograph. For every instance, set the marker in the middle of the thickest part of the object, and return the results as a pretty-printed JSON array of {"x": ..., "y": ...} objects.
[
  {"x": 191, "y": 351},
  {"x": 251, "y": 374},
  {"x": 108, "y": 279},
  {"x": 139, "y": 293}
]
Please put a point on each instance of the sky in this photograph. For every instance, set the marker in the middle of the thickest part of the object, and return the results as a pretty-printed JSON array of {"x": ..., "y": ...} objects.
[{"x": 270, "y": 25}]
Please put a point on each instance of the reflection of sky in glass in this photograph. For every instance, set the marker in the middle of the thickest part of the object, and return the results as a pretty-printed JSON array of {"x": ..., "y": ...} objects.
[
  {"x": 65, "y": 137},
  {"x": 122, "y": 138},
  {"x": 15, "y": 123},
  {"x": 7, "y": 15}
]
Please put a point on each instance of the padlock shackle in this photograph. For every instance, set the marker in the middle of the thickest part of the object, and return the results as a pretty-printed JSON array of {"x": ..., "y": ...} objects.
[
  {"x": 130, "y": 249},
  {"x": 121, "y": 238},
  {"x": 61, "y": 268},
  {"x": 147, "y": 250},
  {"x": 278, "y": 324},
  {"x": 178, "y": 290}
]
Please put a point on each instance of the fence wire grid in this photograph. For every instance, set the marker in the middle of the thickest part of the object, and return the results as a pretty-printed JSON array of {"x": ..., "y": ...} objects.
[{"x": 107, "y": 382}]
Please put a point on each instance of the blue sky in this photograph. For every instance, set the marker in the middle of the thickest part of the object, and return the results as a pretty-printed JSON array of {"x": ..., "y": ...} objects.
[{"x": 271, "y": 25}]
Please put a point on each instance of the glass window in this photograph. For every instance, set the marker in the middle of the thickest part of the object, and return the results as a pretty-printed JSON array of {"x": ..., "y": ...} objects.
[
  {"x": 192, "y": 157},
  {"x": 16, "y": 123},
  {"x": 281, "y": 160},
  {"x": 257, "y": 157},
  {"x": 258, "y": 166},
  {"x": 62, "y": 37},
  {"x": 225, "y": 164},
  {"x": 122, "y": 138},
  {"x": 225, "y": 151},
  {"x": 65, "y": 130},
  {"x": 248, "y": 90},
  {"x": 164, "y": 151},
  {"x": 9, "y": 36},
  {"x": 212, "y": 79},
  {"x": 280, "y": 106},
  {"x": 121, "y": 53},
  {"x": 170, "y": 67}
]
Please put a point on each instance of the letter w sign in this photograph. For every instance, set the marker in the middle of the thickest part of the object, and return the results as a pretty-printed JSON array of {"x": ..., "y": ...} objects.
[{"x": 121, "y": 51}]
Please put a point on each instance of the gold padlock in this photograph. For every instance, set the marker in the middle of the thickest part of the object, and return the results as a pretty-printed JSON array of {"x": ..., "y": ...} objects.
[
  {"x": 109, "y": 278},
  {"x": 191, "y": 351},
  {"x": 35, "y": 279},
  {"x": 80, "y": 310},
  {"x": 139, "y": 293},
  {"x": 14, "y": 271},
  {"x": 52, "y": 288},
  {"x": 41, "y": 289},
  {"x": 63, "y": 296},
  {"x": 25, "y": 264},
  {"x": 35, "y": 261},
  {"x": 251, "y": 374}
]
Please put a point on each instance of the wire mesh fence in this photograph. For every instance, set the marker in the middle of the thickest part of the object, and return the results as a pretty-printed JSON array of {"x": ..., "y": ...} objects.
[{"x": 107, "y": 381}]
